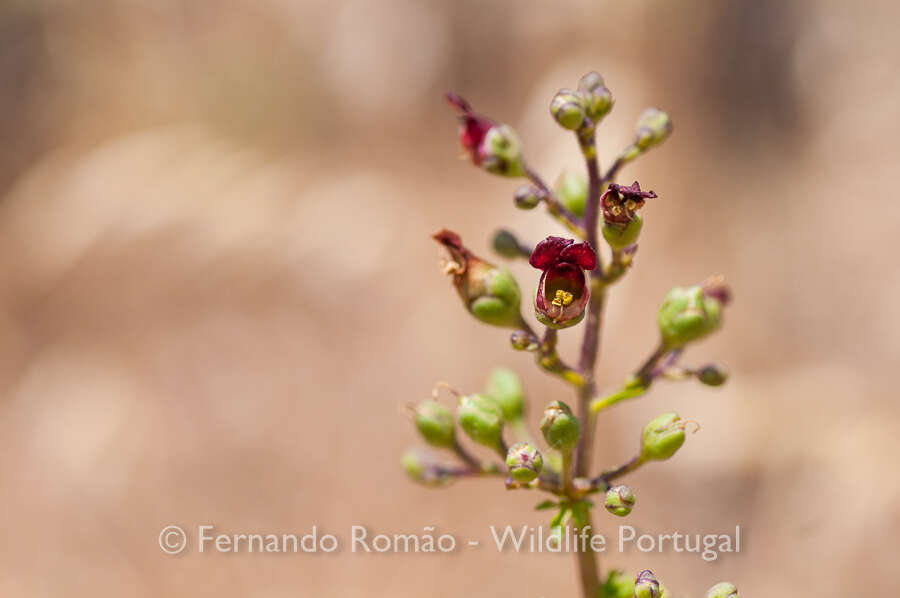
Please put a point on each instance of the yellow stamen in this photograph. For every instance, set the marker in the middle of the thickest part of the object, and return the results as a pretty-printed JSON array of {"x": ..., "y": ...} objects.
[{"x": 562, "y": 298}]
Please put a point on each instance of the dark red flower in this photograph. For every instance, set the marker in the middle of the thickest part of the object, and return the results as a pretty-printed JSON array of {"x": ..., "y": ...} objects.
[
  {"x": 563, "y": 292},
  {"x": 620, "y": 202},
  {"x": 473, "y": 130}
]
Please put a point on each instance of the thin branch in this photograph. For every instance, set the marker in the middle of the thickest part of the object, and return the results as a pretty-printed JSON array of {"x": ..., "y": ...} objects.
[{"x": 554, "y": 206}]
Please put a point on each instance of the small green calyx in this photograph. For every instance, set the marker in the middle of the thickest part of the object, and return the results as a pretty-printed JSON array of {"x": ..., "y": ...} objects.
[
  {"x": 520, "y": 340},
  {"x": 507, "y": 245},
  {"x": 647, "y": 586},
  {"x": 619, "y": 500},
  {"x": 505, "y": 388},
  {"x": 572, "y": 189},
  {"x": 723, "y": 590},
  {"x": 688, "y": 314},
  {"x": 423, "y": 467},
  {"x": 435, "y": 424},
  {"x": 524, "y": 462},
  {"x": 663, "y": 436},
  {"x": 482, "y": 420},
  {"x": 503, "y": 152},
  {"x": 567, "y": 109},
  {"x": 618, "y": 585},
  {"x": 560, "y": 427},
  {"x": 490, "y": 293},
  {"x": 712, "y": 374},
  {"x": 653, "y": 127},
  {"x": 620, "y": 236},
  {"x": 527, "y": 197}
]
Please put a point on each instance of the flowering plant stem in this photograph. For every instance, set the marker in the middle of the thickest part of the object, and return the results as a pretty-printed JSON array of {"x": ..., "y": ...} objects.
[{"x": 573, "y": 287}]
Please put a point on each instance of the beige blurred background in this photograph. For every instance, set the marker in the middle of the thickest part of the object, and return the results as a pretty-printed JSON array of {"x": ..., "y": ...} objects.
[{"x": 217, "y": 286}]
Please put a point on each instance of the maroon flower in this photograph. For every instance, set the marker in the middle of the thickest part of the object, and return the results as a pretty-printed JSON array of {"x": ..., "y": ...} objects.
[
  {"x": 473, "y": 130},
  {"x": 620, "y": 202},
  {"x": 492, "y": 146},
  {"x": 563, "y": 292}
]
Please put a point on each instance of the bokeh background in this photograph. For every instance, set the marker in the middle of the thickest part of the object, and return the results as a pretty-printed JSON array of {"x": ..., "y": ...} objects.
[{"x": 217, "y": 288}]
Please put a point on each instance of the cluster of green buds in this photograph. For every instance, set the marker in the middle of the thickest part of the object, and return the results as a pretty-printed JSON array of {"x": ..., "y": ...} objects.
[
  {"x": 603, "y": 218},
  {"x": 575, "y": 109}
]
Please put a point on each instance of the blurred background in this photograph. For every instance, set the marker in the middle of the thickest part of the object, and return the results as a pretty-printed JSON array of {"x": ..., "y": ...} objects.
[{"x": 217, "y": 287}]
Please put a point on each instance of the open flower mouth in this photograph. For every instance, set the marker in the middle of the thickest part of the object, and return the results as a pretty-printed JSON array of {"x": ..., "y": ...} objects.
[{"x": 563, "y": 292}]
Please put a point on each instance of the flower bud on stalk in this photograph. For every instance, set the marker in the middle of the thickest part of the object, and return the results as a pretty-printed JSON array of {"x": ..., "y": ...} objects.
[
  {"x": 653, "y": 127},
  {"x": 572, "y": 189},
  {"x": 596, "y": 97},
  {"x": 567, "y": 109},
  {"x": 647, "y": 586},
  {"x": 712, "y": 374},
  {"x": 524, "y": 462},
  {"x": 505, "y": 388},
  {"x": 494, "y": 147},
  {"x": 619, "y": 500},
  {"x": 491, "y": 294},
  {"x": 435, "y": 424},
  {"x": 482, "y": 420},
  {"x": 723, "y": 590},
  {"x": 690, "y": 313},
  {"x": 563, "y": 292},
  {"x": 522, "y": 341},
  {"x": 621, "y": 222},
  {"x": 662, "y": 437},
  {"x": 507, "y": 245},
  {"x": 560, "y": 427},
  {"x": 527, "y": 197},
  {"x": 422, "y": 466}
]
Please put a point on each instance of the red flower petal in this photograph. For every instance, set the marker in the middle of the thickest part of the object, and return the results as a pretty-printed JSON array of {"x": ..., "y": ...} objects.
[
  {"x": 547, "y": 252},
  {"x": 581, "y": 255}
]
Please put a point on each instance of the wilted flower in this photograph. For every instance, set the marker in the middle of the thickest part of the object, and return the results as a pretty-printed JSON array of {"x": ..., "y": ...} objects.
[
  {"x": 621, "y": 222},
  {"x": 491, "y": 294},
  {"x": 563, "y": 292},
  {"x": 492, "y": 146}
]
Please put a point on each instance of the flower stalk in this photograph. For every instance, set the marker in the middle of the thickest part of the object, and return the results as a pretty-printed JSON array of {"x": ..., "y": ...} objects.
[{"x": 572, "y": 289}]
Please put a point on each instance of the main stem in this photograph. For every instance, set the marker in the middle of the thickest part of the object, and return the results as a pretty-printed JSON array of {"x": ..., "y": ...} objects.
[{"x": 588, "y": 568}]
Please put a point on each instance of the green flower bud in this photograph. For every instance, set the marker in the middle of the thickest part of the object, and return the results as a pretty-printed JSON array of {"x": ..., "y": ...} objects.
[
  {"x": 618, "y": 585},
  {"x": 653, "y": 127},
  {"x": 482, "y": 420},
  {"x": 567, "y": 109},
  {"x": 723, "y": 590},
  {"x": 712, "y": 374},
  {"x": 491, "y": 294},
  {"x": 662, "y": 437},
  {"x": 646, "y": 585},
  {"x": 505, "y": 388},
  {"x": 507, "y": 245},
  {"x": 590, "y": 81},
  {"x": 690, "y": 313},
  {"x": 435, "y": 424},
  {"x": 524, "y": 462},
  {"x": 572, "y": 189},
  {"x": 620, "y": 236},
  {"x": 527, "y": 197},
  {"x": 503, "y": 152},
  {"x": 522, "y": 341},
  {"x": 560, "y": 427},
  {"x": 619, "y": 500},
  {"x": 423, "y": 467}
]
